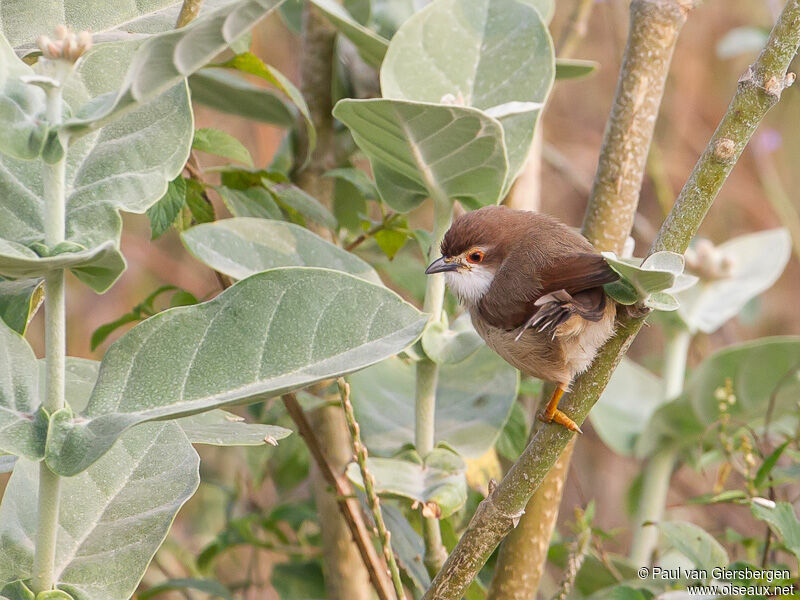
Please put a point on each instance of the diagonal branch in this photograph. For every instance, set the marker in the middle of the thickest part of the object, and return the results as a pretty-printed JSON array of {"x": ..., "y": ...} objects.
[{"x": 757, "y": 92}]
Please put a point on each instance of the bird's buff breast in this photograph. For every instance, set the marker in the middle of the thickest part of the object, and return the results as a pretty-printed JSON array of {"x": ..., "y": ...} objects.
[{"x": 557, "y": 360}]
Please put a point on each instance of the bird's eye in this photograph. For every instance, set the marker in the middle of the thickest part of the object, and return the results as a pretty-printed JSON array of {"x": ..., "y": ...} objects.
[{"x": 475, "y": 257}]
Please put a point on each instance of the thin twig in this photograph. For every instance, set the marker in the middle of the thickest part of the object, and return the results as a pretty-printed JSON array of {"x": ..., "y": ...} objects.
[
  {"x": 348, "y": 504},
  {"x": 757, "y": 93},
  {"x": 360, "y": 451}
]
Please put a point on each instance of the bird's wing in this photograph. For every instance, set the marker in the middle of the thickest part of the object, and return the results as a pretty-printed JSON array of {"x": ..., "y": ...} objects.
[{"x": 570, "y": 285}]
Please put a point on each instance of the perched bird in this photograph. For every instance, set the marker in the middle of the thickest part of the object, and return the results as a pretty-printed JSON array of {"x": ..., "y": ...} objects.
[{"x": 534, "y": 290}]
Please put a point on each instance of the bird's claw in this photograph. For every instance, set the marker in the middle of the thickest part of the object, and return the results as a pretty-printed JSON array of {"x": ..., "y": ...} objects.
[{"x": 561, "y": 418}]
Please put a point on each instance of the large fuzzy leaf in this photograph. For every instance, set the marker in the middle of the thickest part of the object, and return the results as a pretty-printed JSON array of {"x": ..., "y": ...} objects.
[
  {"x": 112, "y": 518},
  {"x": 626, "y": 405},
  {"x": 494, "y": 54},
  {"x": 270, "y": 333},
  {"x": 221, "y": 428},
  {"x": 439, "y": 483},
  {"x": 243, "y": 246},
  {"x": 125, "y": 166},
  {"x": 473, "y": 401},
  {"x": 757, "y": 260},
  {"x": 22, "y": 428},
  {"x": 164, "y": 60},
  {"x": 421, "y": 150}
]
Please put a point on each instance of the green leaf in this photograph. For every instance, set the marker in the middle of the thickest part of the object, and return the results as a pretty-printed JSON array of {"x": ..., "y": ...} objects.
[
  {"x": 358, "y": 179},
  {"x": 232, "y": 94},
  {"x": 22, "y": 108},
  {"x": 221, "y": 428},
  {"x": 222, "y": 144},
  {"x": 101, "y": 334},
  {"x": 254, "y": 201},
  {"x": 349, "y": 205},
  {"x": 165, "y": 60},
  {"x": 495, "y": 54},
  {"x": 695, "y": 544},
  {"x": 164, "y": 212},
  {"x": 390, "y": 241},
  {"x": 757, "y": 261},
  {"x": 19, "y": 301},
  {"x": 762, "y": 372},
  {"x": 439, "y": 484},
  {"x": 514, "y": 436},
  {"x": 626, "y": 405},
  {"x": 408, "y": 546},
  {"x": 198, "y": 203},
  {"x": 451, "y": 345},
  {"x": 293, "y": 199},
  {"x": 769, "y": 463},
  {"x": 7, "y": 462},
  {"x": 98, "y": 267},
  {"x": 250, "y": 63},
  {"x": 118, "y": 513},
  {"x": 270, "y": 333},
  {"x": 642, "y": 279},
  {"x": 546, "y": 8},
  {"x": 420, "y": 150},
  {"x": 208, "y": 586},
  {"x": 23, "y": 427},
  {"x": 473, "y": 401},
  {"x": 243, "y": 246},
  {"x": 30, "y": 20},
  {"x": 125, "y": 166},
  {"x": 299, "y": 581},
  {"x": 574, "y": 68},
  {"x": 371, "y": 46},
  {"x": 783, "y": 521}
]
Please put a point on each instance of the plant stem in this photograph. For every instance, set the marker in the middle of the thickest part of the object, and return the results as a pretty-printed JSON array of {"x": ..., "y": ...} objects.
[
  {"x": 575, "y": 28},
  {"x": 53, "y": 176},
  {"x": 496, "y": 515},
  {"x": 654, "y": 29},
  {"x": 427, "y": 376},
  {"x": 360, "y": 451},
  {"x": 658, "y": 473}
]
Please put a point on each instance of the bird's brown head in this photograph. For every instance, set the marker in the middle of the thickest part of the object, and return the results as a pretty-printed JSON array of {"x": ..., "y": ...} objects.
[{"x": 473, "y": 249}]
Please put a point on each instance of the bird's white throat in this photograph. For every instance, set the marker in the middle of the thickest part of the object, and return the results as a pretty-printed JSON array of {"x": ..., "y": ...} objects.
[{"x": 470, "y": 284}]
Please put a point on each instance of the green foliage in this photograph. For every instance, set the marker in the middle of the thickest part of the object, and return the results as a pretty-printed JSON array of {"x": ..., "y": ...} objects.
[
  {"x": 695, "y": 544},
  {"x": 213, "y": 588},
  {"x": 118, "y": 513},
  {"x": 473, "y": 401},
  {"x": 371, "y": 46},
  {"x": 243, "y": 246},
  {"x": 495, "y": 39},
  {"x": 574, "y": 68},
  {"x": 413, "y": 159},
  {"x": 514, "y": 436},
  {"x": 19, "y": 301},
  {"x": 221, "y": 428},
  {"x": 438, "y": 482},
  {"x": 782, "y": 519},
  {"x": 222, "y": 144},
  {"x": 451, "y": 345},
  {"x": 651, "y": 281},
  {"x": 164, "y": 212}
]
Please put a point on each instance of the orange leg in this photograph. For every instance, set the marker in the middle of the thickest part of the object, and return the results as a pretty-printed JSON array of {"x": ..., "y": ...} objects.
[{"x": 551, "y": 414}]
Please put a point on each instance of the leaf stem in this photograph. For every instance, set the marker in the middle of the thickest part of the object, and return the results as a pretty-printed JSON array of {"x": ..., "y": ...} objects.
[
  {"x": 658, "y": 473},
  {"x": 53, "y": 176},
  {"x": 360, "y": 451},
  {"x": 189, "y": 11},
  {"x": 427, "y": 377}
]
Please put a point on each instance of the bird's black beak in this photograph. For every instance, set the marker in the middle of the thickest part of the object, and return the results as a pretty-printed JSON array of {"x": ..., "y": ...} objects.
[{"x": 440, "y": 266}]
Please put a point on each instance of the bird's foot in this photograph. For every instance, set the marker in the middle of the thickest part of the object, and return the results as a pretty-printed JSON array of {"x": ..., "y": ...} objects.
[{"x": 561, "y": 418}]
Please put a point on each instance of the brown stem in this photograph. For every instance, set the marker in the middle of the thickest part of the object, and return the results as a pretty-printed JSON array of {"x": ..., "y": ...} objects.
[{"x": 347, "y": 504}]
